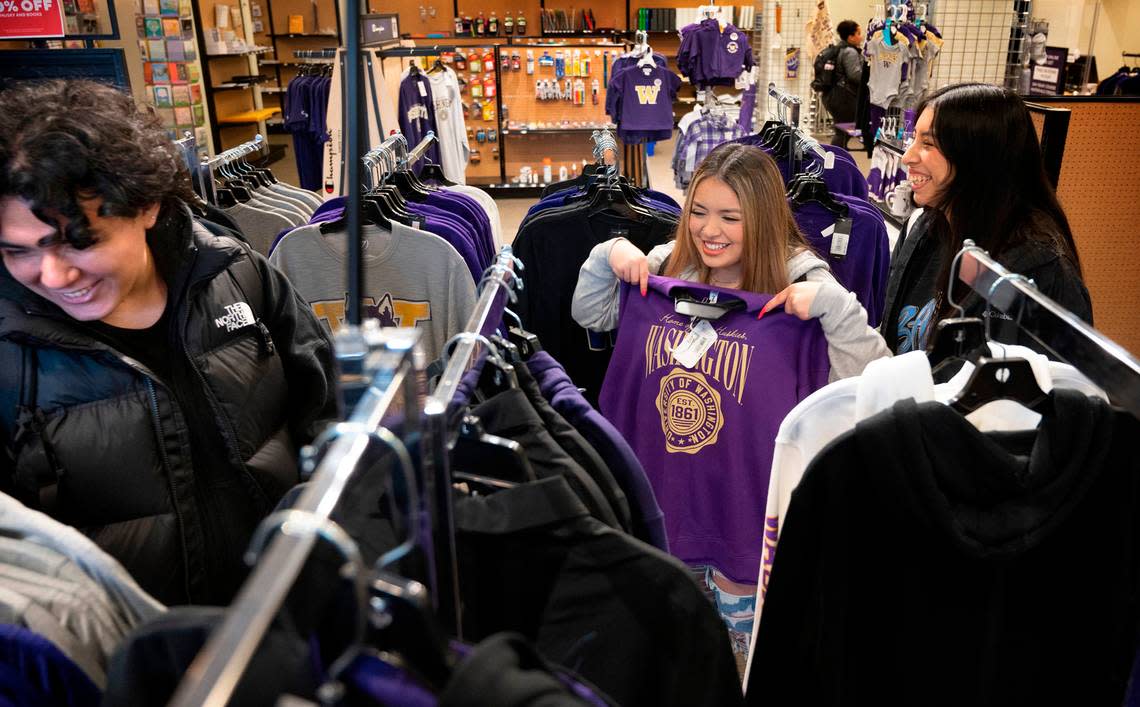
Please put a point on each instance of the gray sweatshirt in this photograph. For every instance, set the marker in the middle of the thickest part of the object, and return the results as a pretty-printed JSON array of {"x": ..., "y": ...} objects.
[{"x": 851, "y": 343}]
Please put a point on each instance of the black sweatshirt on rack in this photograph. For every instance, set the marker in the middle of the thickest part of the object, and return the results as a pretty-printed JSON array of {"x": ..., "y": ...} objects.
[
  {"x": 924, "y": 562},
  {"x": 620, "y": 613},
  {"x": 553, "y": 245}
]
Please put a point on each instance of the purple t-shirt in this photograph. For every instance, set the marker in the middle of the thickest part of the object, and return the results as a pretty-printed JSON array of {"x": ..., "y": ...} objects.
[
  {"x": 863, "y": 268},
  {"x": 642, "y": 98},
  {"x": 710, "y": 56},
  {"x": 417, "y": 116},
  {"x": 705, "y": 436}
]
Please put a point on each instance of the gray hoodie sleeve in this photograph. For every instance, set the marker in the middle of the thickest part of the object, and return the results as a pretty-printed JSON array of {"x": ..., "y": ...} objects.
[
  {"x": 851, "y": 342},
  {"x": 596, "y": 297},
  {"x": 852, "y": 63}
]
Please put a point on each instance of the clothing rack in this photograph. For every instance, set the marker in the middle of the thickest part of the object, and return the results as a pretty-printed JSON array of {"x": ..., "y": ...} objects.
[
  {"x": 789, "y": 114},
  {"x": 604, "y": 141},
  {"x": 1105, "y": 362},
  {"x": 415, "y": 51},
  {"x": 498, "y": 283},
  {"x": 315, "y": 56},
  {"x": 188, "y": 146},
  {"x": 216, "y": 670},
  {"x": 413, "y": 155},
  {"x": 205, "y": 170}
]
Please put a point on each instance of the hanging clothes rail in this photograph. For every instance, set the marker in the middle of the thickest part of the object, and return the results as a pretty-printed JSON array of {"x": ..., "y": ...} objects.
[
  {"x": 789, "y": 114},
  {"x": 215, "y": 672},
  {"x": 498, "y": 283},
  {"x": 188, "y": 147},
  {"x": 417, "y": 152},
  {"x": 415, "y": 51},
  {"x": 1105, "y": 362},
  {"x": 324, "y": 55},
  {"x": 204, "y": 172}
]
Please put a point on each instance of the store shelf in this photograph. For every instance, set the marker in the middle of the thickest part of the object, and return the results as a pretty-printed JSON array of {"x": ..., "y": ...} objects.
[
  {"x": 296, "y": 35},
  {"x": 247, "y": 52},
  {"x": 232, "y": 87},
  {"x": 535, "y": 131},
  {"x": 249, "y": 116},
  {"x": 274, "y": 89}
]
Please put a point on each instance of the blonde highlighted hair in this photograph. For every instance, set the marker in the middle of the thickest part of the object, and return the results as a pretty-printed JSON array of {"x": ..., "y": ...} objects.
[{"x": 771, "y": 235}]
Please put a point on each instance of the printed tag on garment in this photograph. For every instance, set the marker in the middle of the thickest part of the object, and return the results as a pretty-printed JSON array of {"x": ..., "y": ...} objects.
[
  {"x": 697, "y": 341},
  {"x": 423, "y": 91},
  {"x": 841, "y": 237},
  {"x": 619, "y": 233}
]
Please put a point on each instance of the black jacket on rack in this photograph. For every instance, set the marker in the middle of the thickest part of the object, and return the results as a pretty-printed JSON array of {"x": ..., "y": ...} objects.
[
  {"x": 623, "y": 615},
  {"x": 553, "y": 245},
  {"x": 167, "y": 463},
  {"x": 924, "y": 562}
]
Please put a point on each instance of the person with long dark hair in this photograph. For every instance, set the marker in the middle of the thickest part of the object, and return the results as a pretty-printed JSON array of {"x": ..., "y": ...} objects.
[{"x": 976, "y": 167}]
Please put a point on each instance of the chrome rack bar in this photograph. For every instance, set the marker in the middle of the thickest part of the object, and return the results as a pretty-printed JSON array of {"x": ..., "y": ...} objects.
[
  {"x": 787, "y": 100},
  {"x": 204, "y": 172},
  {"x": 418, "y": 151},
  {"x": 1105, "y": 362},
  {"x": 216, "y": 670},
  {"x": 494, "y": 290}
]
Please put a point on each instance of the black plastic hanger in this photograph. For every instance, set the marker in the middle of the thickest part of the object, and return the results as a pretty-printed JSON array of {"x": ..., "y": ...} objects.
[
  {"x": 807, "y": 188},
  {"x": 997, "y": 378},
  {"x": 434, "y": 173},
  {"x": 956, "y": 339},
  {"x": 476, "y": 452},
  {"x": 1001, "y": 379},
  {"x": 405, "y": 626},
  {"x": 225, "y": 198}
]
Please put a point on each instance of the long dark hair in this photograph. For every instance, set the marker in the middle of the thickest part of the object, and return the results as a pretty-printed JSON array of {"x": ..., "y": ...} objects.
[{"x": 998, "y": 194}]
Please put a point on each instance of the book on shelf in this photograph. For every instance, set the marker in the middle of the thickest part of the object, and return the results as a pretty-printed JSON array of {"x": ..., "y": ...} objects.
[
  {"x": 153, "y": 27},
  {"x": 172, "y": 27},
  {"x": 195, "y": 93},
  {"x": 199, "y": 114},
  {"x": 160, "y": 71},
  {"x": 178, "y": 72},
  {"x": 168, "y": 7},
  {"x": 183, "y": 116},
  {"x": 175, "y": 50},
  {"x": 156, "y": 49},
  {"x": 180, "y": 95},
  {"x": 193, "y": 74},
  {"x": 150, "y": 7},
  {"x": 162, "y": 97},
  {"x": 144, "y": 50}
]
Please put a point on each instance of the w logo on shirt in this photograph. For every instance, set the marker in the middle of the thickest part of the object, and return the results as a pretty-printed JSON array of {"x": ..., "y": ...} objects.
[
  {"x": 417, "y": 112},
  {"x": 647, "y": 95}
]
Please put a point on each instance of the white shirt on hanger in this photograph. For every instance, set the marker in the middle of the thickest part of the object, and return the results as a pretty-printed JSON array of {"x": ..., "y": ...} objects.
[{"x": 450, "y": 124}]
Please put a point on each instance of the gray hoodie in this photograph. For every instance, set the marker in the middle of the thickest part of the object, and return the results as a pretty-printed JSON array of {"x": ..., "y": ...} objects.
[{"x": 851, "y": 343}]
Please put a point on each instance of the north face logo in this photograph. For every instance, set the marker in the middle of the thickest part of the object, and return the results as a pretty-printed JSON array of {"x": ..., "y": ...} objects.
[{"x": 237, "y": 315}]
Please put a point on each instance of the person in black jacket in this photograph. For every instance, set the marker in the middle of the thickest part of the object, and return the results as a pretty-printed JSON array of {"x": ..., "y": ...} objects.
[
  {"x": 975, "y": 165},
  {"x": 841, "y": 100},
  {"x": 156, "y": 378}
]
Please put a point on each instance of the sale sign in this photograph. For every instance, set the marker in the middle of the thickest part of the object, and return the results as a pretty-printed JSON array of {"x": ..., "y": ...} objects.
[{"x": 28, "y": 19}]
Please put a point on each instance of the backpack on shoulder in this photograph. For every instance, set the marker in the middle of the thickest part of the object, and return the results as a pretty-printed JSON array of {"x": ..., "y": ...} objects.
[{"x": 824, "y": 67}]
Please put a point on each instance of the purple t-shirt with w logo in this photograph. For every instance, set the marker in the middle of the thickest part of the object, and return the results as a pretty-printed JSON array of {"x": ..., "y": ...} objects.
[{"x": 705, "y": 435}]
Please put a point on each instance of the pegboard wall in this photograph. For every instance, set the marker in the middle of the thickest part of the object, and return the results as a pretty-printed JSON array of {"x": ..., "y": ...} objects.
[
  {"x": 984, "y": 41},
  {"x": 1098, "y": 188},
  {"x": 779, "y": 46}
]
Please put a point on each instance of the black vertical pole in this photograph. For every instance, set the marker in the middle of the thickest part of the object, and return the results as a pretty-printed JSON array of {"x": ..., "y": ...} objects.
[{"x": 354, "y": 152}]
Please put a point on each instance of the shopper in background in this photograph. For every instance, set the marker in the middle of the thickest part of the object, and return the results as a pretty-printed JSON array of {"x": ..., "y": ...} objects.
[
  {"x": 976, "y": 166},
  {"x": 157, "y": 379},
  {"x": 838, "y": 73}
]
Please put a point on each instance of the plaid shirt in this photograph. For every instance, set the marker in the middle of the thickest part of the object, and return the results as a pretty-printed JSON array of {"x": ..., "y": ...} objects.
[{"x": 698, "y": 141}]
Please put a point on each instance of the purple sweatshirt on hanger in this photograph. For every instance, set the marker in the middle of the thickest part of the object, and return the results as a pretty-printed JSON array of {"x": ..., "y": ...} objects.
[{"x": 706, "y": 435}]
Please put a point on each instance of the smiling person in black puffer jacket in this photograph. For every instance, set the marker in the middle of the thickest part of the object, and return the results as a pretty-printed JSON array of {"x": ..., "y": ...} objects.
[{"x": 157, "y": 377}]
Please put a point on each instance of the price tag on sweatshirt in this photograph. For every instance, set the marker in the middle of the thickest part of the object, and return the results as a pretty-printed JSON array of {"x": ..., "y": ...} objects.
[
  {"x": 841, "y": 237},
  {"x": 697, "y": 341},
  {"x": 423, "y": 91}
]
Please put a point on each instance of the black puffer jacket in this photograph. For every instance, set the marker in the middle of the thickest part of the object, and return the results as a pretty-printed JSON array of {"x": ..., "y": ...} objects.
[{"x": 100, "y": 442}]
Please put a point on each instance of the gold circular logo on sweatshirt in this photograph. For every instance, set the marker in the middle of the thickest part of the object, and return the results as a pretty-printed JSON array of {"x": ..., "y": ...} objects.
[{"x": 690, "y": 411}]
